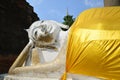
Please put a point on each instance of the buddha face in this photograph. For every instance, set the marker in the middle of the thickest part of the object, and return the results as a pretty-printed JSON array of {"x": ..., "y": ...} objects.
[{"x": 44, "y": 32}]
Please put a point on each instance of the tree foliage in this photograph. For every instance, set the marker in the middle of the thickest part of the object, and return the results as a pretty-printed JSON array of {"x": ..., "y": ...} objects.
[{"x": 68, "y": 20}]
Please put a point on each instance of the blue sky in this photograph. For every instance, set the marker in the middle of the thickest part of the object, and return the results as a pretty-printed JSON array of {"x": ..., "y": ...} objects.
[{"x": 56, "y": 9}]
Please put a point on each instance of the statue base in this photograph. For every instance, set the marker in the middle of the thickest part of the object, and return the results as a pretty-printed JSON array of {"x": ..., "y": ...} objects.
[
  {"x": 11, "y": 77},
  {"x": 81, "y": 77}
]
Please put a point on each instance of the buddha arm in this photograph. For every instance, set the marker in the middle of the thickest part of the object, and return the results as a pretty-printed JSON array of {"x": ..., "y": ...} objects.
[
  {"x": 21, "y": 58},
  {"x": 43, "y": 68}
]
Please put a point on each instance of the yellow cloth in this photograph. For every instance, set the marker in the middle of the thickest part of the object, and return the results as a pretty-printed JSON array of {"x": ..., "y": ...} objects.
[{"x": 94, "y": 44}]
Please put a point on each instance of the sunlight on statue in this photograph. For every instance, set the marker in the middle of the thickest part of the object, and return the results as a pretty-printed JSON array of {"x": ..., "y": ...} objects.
[{"x": 44, "y": 55}]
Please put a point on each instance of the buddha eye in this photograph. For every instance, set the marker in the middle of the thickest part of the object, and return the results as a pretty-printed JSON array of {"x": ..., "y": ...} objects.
[{"x": 35, "y": 34}]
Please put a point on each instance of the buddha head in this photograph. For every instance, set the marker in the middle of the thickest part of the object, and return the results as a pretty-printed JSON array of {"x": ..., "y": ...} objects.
[{"x": 45, "y": 32}]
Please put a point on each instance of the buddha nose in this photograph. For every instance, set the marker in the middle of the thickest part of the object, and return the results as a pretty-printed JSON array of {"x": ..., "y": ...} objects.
[{"x": 44, "y": 30}]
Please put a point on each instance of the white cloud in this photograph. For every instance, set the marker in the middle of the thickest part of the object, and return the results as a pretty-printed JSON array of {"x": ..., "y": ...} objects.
[
  {"x": 94, "y": 3},
  {"x": 35, "y": 2}
]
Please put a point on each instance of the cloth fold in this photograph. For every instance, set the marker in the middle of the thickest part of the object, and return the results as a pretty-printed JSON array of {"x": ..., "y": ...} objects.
[{"x": 94, "y": 44}]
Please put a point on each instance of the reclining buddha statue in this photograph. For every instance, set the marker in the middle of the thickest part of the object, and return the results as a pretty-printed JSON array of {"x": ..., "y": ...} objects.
[{"x": 44, "y": 55}]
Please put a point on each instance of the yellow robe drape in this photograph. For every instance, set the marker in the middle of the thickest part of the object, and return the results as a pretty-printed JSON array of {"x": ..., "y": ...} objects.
[{"x": 94, "y": 44}]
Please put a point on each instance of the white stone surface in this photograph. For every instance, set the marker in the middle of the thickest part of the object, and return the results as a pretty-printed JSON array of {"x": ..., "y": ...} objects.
[
  {"x": 80, "y": 77},
  {"x": 9, "y": 77}
]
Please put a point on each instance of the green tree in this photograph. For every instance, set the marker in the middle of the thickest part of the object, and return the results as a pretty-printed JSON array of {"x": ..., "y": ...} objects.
[{"x": 68, "y": 20}]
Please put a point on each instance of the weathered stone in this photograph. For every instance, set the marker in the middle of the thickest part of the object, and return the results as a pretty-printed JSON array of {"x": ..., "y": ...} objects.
[
  {"x": 29, "y": 78},
  {"x": 15, "y": 16}
]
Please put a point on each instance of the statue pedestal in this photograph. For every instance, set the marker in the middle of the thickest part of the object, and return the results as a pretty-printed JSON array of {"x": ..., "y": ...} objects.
[
  {"x": 10, "y": 77},
  {"x": 81, "y": 77}
]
